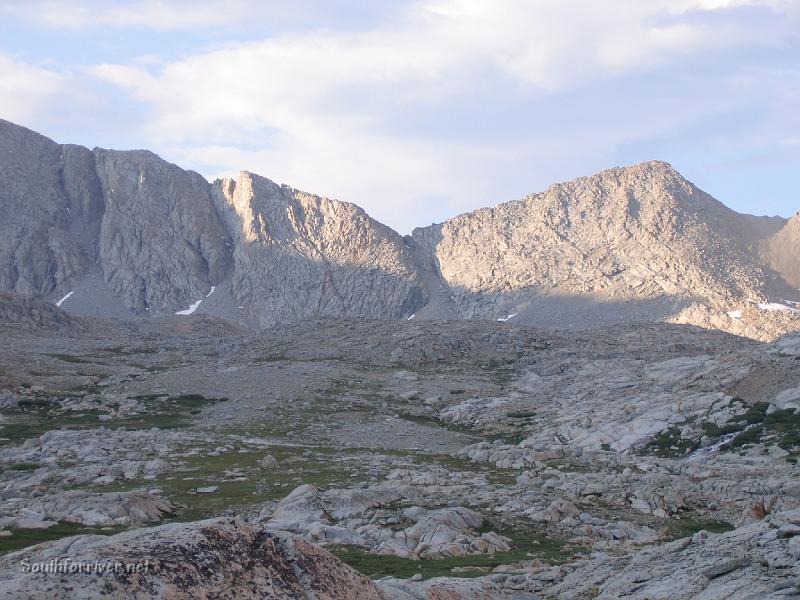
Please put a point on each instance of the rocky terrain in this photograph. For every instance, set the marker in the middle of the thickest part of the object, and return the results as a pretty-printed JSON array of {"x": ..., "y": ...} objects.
[
  {"x": 438, "y": 459},
  {"x": 126, "y": 234},
  {"x": 237, "y": 389},
  {"x": 218, "y": 558}
]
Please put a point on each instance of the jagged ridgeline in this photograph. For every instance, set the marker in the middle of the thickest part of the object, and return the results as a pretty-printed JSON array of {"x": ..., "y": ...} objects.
[{"x": 126, "y": 234}]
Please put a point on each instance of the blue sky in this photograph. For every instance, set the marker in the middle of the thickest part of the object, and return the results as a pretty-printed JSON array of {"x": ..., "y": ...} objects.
[{"x": 420, "y": 110}]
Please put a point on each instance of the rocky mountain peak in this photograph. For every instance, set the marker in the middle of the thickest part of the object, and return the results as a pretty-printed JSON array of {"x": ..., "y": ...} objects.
[{"x": 125, "y": 233}]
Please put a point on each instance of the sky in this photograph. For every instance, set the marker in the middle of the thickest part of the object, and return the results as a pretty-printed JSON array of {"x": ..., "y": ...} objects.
[{"x": 421, "y": 110}]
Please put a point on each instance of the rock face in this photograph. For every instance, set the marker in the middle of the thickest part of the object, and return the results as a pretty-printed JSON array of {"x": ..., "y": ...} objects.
[
  {"x": 760, "y": 560},
  {"x": 353, "y": 517},
  {"x": 161, "y": 243},
  {"x": 131, "y": 234},
  {"x": 218, "y": 558},
  {"x": 29, "y": 313},
  {"x": 640, "y": 241},
  {"x": 40, "y": 248},
  {"x": 782, "y": 251},
  {"x": 148, "y": 226},
  {"x": 296, "y": 255}
]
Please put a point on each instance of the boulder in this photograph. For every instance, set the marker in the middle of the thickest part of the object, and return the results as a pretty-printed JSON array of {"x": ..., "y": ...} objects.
[{"x": 217, "y": 558}]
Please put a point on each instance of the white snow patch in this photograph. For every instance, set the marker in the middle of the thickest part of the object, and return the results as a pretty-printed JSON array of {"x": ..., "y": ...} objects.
[
  {"x": 504, "y": 319},
  {"x": 189, "y": 310},
  {"x": 735, "y": 314},
  {"x": 60, "y": 302},
  {"x": 776, "y": 306},
  {"x": 194, "y": 305},
  {"x": 411, "y": 317}
]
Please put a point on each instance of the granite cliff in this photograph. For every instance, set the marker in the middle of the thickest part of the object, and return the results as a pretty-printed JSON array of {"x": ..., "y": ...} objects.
[{"x": 127, "y": 234}]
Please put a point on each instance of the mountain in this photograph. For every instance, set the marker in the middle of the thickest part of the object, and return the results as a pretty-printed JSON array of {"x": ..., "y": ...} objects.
[
  {"x": 127, "y": 234},
  {"x": 639, "y": 241},
  {"x": 295, "y": 255},
  {"x": 782, "y": 251},
  {"x": 134, "y": 230}
]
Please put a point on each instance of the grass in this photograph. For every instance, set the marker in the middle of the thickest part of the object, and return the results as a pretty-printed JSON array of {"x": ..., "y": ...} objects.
[
  {"x": 32, "y": 418},
  {"x": 23, "y": 466},
  {"x": 526, "y": 414},
  {"x": 24, "y": 428},
  {"x": 70, "y": 358},
  {"x": 782, "y": 426},
  {"x": 434, "y": 422},
  {"x": 670, "y": 444},
  {"x": 527, "y": 546},
  {"x": 503, "y": 372},
  {"x": 22, "y": 538},
  {"x": 323, "y": 469},
  {"x": 126, "y": 351},
  {"x": 681, "y": 528}
]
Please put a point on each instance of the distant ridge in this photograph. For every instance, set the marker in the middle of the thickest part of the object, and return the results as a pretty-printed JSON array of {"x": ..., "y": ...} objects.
[{"x": 127, "y": 234}]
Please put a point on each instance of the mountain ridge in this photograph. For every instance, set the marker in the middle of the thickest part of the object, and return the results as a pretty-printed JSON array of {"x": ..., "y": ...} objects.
[{"x": 130, "y": 234}]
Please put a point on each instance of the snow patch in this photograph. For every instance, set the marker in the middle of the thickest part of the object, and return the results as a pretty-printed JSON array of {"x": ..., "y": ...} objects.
[
  {"x": 189, "y": 310},
  {"x": 411, "y": 317},
  {"x": 194, "y": 305},
  {"x": 735, "y": 314},
  {"x": 60, "y": 302},
  {"x": 506, "y": 318},
  {"x": 776, "y": 306}
]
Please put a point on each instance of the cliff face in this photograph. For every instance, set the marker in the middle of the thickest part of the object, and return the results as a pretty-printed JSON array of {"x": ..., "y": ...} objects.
[
  {"x": 296, "y": 255},
  {"x": 161, "y": 243},
  {"x": 40, "y": 246},
  {"x": 147, "y": 225},
  {"x": 636, "y": 233},
  {"x": 633, "y": 243},
  {"x": 782, "y": 251}
]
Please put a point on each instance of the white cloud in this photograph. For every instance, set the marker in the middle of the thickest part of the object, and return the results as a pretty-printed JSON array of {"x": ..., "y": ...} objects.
[
  {"x": 324, "y": 108},
  {"x": 311, "y": 108},
  {"x": 187, "y": 15},
  {"x": 164, "y": 15},
  {"x": 26, "y": 90}
]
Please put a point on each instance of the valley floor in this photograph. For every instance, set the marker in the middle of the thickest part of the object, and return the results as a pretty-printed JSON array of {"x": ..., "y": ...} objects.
[{"x": 476, "y": 459}]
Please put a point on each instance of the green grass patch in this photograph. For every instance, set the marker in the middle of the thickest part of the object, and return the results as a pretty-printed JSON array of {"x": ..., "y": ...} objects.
[
  {"x": 526, "y": 547},
  {"x": 70, "y": 358},
  {"x": 22, "y": 538},
  {"x": 23, "y": 466},
  {"x": 241, "y": 482},
  {"x": 786, "y": 424},
  {"x": 681, "y": 528},
  {"x": 32, "y": 418},
  {"x": 525, "y": 414},
  {"x": 670, "y": 444}
]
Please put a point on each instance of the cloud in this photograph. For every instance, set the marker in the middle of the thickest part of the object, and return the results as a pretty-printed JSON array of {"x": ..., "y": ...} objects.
[
  {"x": 434, "y": 106},
  {"x": 183, "y": 15},
  {"x": 147, "y": 14},
  {"x": 315, "y": 108},
  {"x": 26, "y": 90}
]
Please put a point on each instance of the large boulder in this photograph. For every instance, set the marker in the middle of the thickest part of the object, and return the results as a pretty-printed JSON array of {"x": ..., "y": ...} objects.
[{"x": 217, "y": 558}]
